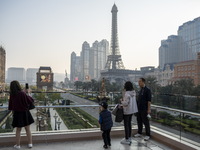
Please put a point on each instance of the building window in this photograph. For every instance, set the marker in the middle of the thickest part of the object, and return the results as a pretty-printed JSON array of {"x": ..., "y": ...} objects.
[{"x": 186, "y": 68}]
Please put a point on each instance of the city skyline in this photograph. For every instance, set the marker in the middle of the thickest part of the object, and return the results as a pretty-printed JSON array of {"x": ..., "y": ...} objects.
[{"x": 36, "y": 33}]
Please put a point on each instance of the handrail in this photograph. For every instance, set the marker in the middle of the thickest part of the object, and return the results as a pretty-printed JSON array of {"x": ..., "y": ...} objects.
[
  {"x": 67, "y": 91},
  {"x": 74, "y": 106},
  {"x": 177, "y": 110}
]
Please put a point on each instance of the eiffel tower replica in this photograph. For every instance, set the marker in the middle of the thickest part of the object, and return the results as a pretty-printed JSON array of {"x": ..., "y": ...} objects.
[
  {"x": 114, "y": 68},
  {"x": 114, "y": 60}
]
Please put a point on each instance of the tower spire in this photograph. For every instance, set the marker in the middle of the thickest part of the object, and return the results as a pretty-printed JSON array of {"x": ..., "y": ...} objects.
[{"x": 114, "y": 60}]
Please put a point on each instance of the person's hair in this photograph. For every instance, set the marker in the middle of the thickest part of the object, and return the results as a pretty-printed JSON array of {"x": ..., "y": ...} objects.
[
  {"x": 128, "y": 86},
  {"x": 143, "y": 80},
  {"x": 15, "y": 87}
]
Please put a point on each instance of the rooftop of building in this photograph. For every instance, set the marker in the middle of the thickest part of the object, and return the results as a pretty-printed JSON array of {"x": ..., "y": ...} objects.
[{"x": 189, "y": 22}]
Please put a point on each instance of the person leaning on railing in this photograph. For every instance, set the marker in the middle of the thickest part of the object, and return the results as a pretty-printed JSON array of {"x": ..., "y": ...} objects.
[{"x": 20, "y": 103}]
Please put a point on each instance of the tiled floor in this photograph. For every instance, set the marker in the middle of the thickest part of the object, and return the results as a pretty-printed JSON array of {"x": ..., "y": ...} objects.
[{"x": 137, "y": 144}]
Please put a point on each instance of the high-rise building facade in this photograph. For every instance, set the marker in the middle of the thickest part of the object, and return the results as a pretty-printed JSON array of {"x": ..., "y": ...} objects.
[
  {"x": 190, "y": 34},
  {"x": 72, "y": 67},
  {"x": 98, "y": 57},
  {"x": 103, "y": 52},
  {"x": 16, "y": 74},
  {"x": 172, "y": 50},
  {"x": 181, "y": 47},
  {"x": 31, "y": 75},
  {"x": 85, "y": 60},
  {"x": 75, "y": 67},
  {"x": 2, "y": 66},
  {"x": 91, "y": 61}
]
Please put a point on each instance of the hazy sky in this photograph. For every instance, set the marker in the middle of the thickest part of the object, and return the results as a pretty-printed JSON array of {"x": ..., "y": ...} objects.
[{"x": 44, "y": 32}]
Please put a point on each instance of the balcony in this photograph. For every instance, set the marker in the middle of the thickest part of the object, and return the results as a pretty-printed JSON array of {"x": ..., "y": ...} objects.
[{"x": 75, "y": 126}]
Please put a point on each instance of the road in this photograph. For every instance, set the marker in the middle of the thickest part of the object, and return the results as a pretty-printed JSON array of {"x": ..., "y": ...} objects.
[{"x": 93, "y": 111}]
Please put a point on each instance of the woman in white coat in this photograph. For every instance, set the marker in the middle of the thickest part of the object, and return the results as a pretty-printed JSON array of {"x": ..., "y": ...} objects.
[{"x": 129, "y": 107}]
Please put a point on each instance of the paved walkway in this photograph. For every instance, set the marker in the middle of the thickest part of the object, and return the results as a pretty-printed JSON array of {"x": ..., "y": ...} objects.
[
  {"x": 62, "y": 125},
  {"x": 138, "y": 144}
]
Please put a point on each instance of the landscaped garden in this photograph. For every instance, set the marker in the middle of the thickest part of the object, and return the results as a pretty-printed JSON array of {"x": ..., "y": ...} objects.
[
  {"x": 185, "y": 123},
  {"x": 75, "y": 118}
]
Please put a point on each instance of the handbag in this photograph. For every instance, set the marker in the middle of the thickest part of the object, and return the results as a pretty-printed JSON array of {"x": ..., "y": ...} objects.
[
  {"x": 114, "y": 111},
  {"x": 119, "y": 115}
]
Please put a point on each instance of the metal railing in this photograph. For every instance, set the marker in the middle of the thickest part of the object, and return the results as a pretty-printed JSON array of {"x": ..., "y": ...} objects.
[
  {"x": 158, "y": 108},
  {"x": 152, "y": 106}
]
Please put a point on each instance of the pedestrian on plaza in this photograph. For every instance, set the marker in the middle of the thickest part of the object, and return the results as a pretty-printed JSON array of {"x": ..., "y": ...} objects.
[
  {"x": 129, "y": 108},
  {"x": 19, "y": 104},
  {"x": 106, "y": 123},
  {"x": 144, "y": 109}
]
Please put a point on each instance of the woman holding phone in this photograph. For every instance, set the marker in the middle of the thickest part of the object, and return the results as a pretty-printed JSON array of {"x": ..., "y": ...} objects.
[{"x": 20, "y": 103}]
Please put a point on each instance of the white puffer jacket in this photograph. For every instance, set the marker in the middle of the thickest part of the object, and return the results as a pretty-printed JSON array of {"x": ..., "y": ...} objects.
[{"x": 129, "y": 103}]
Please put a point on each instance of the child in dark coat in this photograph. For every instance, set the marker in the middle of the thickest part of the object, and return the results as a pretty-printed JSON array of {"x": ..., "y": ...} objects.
[{"x": 106, "y": 123}]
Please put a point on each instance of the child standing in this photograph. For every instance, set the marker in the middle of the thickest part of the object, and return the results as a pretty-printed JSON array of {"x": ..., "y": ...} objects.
[{"x": 106, "y": 123}]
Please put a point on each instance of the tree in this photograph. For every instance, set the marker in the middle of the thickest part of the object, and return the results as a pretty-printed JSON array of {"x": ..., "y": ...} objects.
[
  {"x": 166, "y": 89},
  {"x": 78, "y": 85},
  {"x": 86, "y": 86},
  {"x": 183, "y": 87},
  {"x": 94, "y": 85},
  {"x": 54, "y": 96},
  {"x": 39, "y": 96},
  {"x": 196, "y": 91},
  {"x": 152, "y": 83}
]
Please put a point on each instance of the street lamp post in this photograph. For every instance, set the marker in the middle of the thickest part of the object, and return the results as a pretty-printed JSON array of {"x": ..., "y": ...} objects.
[
  {"x": 48, "y": 110},
  {"x": 39, "y": 120},
  {"x": 59, "y": 122},
  {"x": 55, "y": 116}
]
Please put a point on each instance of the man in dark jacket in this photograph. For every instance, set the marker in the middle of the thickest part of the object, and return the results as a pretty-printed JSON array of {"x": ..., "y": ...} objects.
[
  {"x": 144, "y": 109},
  {"x": 106, "y": 123}
]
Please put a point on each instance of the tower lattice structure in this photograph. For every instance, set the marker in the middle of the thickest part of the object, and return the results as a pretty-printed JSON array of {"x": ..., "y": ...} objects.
[{"x": 114, "y": 60}]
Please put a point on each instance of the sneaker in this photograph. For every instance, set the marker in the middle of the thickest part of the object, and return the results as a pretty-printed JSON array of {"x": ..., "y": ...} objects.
[
  {"x": 17, "y": 146},
  {"x": 30, "y": 145},
  {"x": 138, "y": 135},
  {"x": 105, "y": 146},
  {"x": 125, "y": 141},
  {"x": 146, "y": 138},
  {"x": 130, "y": 139}
]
